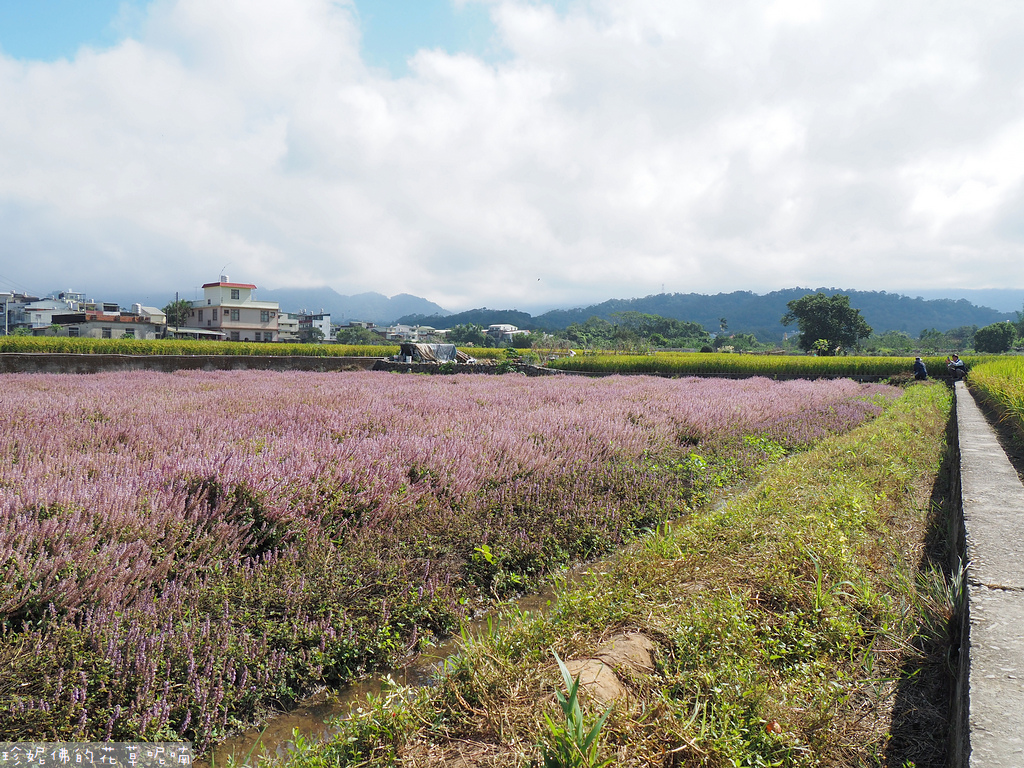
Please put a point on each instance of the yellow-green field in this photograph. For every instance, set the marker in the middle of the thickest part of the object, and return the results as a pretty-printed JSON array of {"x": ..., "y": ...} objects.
[
  {"x": 699, "y": 363},
  {"x": 80, "y": 346},
  {"x": 1000, "y": 383},
  {"x": 184, "y": 347}
]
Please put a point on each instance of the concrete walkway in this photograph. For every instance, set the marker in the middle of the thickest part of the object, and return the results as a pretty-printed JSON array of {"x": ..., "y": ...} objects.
[{"x": 991, "y": 696}]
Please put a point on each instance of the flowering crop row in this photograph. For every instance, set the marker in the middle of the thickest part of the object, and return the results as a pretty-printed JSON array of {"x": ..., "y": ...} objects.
[{"x": 178, "y": 550}]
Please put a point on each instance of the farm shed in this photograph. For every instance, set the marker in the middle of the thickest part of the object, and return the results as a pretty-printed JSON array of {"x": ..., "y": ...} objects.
[{"x": 432, "y": 353}]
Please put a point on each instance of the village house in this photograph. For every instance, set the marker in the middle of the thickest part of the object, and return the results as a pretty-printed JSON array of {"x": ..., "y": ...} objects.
[
  {"x": 288, "y": 326},
  {"x": 91, "y": 324},
  {"x": 320, "y": 321},
  {"x": 231, "y": 309},
  {"x": 503, "y": 332}
]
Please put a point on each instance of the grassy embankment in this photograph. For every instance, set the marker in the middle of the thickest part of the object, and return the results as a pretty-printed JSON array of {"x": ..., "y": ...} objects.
[
  {"x": 63, "y": 344},
  {"x": 1000, "y": 384},
  {"x": 698, "y": 363},
  {"x": 805, "y": 623}
]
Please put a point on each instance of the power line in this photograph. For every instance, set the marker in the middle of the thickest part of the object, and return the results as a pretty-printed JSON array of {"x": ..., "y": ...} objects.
[{"x": 18, "y": 286}]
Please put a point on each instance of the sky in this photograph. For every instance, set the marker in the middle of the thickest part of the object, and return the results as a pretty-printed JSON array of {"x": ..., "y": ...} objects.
[{"x": 511, "y": 153}]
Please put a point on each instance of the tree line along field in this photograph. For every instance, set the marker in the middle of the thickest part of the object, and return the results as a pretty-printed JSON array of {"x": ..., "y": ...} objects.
[{"x": 181, "y": 551}]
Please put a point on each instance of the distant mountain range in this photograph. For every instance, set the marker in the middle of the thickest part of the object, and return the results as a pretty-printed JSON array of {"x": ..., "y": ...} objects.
[
  {"x": 369, "y": 307},
  {"x": 1003, "y": 299},
  {"x": 745, "y": 312}
]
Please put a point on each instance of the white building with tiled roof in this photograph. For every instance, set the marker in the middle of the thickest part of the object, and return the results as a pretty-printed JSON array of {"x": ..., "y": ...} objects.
[{"x": 231, "y": 309}]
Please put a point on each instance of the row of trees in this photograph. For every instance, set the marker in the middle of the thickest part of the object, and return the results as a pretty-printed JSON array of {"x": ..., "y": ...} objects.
[
  {"x": 636, "y": 329},
  {"x": 629, "y": 331},
  {"x": 830, "y": 326}
]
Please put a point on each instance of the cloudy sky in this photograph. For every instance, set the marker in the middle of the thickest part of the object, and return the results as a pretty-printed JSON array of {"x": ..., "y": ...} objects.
[{"x": 511, "y": 153}]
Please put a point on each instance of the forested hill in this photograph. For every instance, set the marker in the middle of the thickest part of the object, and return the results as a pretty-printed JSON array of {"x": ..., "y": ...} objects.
[{"x": 748, "y": 312}]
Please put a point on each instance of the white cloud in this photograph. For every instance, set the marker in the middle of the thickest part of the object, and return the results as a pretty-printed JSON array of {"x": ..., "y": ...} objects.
[{"x": 613, "y": 148}]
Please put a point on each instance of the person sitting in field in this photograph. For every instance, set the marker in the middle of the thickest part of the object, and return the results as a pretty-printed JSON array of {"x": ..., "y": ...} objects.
[
  {"x": 956, "y": 367},
  {"x": 920, "y": 372}
]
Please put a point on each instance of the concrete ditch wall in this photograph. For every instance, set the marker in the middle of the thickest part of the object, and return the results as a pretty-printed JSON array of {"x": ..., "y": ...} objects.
[{"x": 988, "y": 728}]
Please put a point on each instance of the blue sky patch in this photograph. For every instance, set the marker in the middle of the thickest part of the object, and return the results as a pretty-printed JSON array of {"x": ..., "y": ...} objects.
[{"x": 392, "y": 30}]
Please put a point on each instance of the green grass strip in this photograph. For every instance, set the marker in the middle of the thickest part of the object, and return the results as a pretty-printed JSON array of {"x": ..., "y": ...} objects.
[{"x": 789, "y": 623}]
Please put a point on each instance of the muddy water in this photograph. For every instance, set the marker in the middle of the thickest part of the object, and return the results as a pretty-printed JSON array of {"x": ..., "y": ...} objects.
[{"x": 313, "y": 717}]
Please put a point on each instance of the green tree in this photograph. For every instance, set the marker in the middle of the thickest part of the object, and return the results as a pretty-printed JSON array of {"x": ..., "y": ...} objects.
[
  {"x": 893, "y": 343},
  {"x": 998, "y": 337},
  {"x": 470, "y": 333},
  {"x": 595, "y": 333},
  {"x": 825, "y": 318},
  {"x": 932, "y": 340},
  {"x": 357, "y": 335},
  {"x": 527, "y": 340},
  {"x": 177, "y": 312},
  {"x": 311, "y": 335},
  {"x": 960, "y": 337}
]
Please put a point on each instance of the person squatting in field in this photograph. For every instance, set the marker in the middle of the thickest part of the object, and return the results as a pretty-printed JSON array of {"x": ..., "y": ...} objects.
[
  {"x": 956, "y": 367},
  {"x": 920, "y": 372}
]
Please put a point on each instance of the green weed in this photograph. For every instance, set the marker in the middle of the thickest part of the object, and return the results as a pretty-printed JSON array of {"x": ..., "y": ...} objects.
[{"x": 571, "y": 744}]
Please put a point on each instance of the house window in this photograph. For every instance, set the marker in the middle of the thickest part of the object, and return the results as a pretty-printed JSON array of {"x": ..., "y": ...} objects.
[
  {"x": 234, "y": 314},
  {"x": 234, "y": 335},
  {"x": 215, "y": 314},
  {"x": 200, "y": 315},
  {"x": 234, "y": 293},
  {"x": 105, "y": 333},
  {"x": 258, "y": 336},
  {"x": 73, "y": 331},
  {"x": 129, "y": 334},
  {"x": 264, "y": 316}
]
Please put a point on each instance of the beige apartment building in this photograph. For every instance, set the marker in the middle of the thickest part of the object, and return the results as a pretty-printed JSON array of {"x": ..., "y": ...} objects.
[{"x": 231, "y": 309}]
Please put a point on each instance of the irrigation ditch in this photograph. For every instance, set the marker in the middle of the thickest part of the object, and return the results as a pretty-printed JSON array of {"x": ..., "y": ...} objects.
[{"x": 314, "y": 717}]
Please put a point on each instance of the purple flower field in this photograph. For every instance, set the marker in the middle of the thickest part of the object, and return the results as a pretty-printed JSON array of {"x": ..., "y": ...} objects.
[{"x": 180, "y": 551}]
